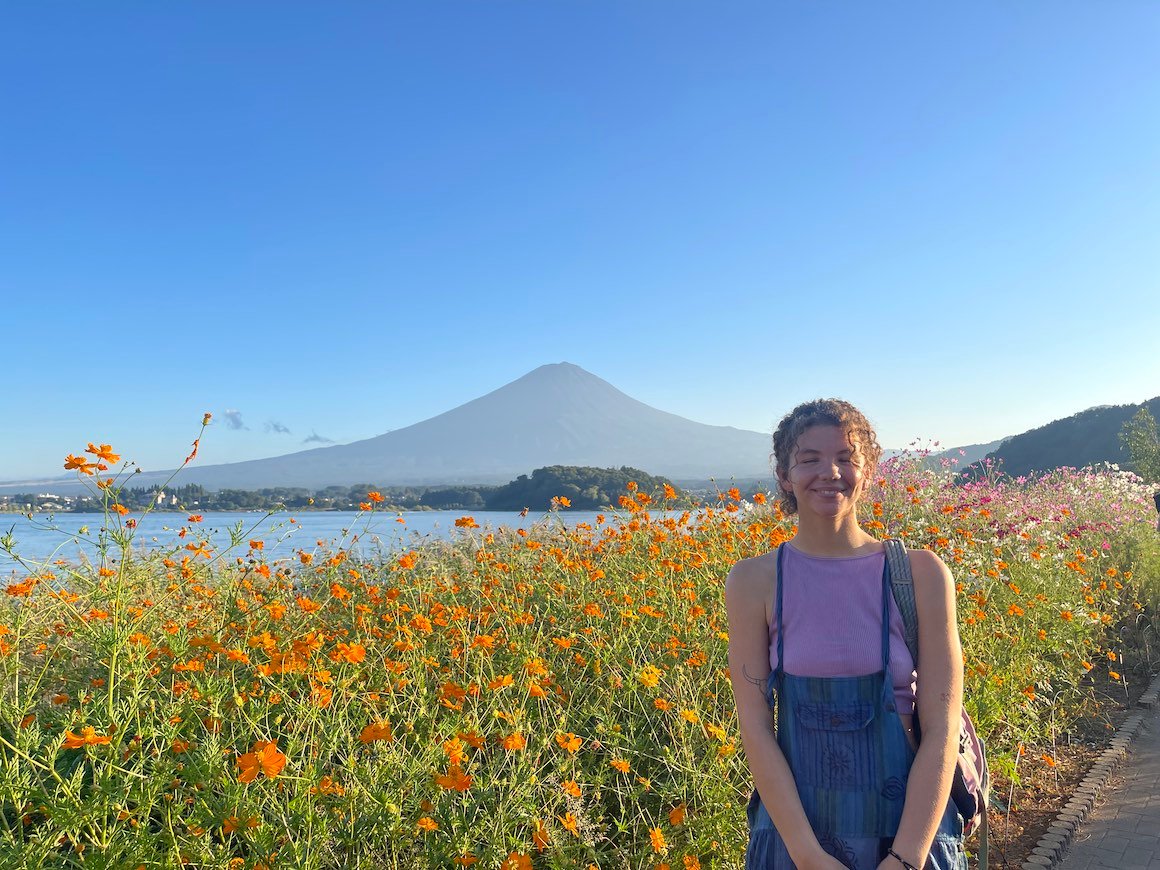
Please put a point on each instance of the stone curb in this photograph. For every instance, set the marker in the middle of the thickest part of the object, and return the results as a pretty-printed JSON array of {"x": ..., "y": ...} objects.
[{"x": 1049, "y": 852}]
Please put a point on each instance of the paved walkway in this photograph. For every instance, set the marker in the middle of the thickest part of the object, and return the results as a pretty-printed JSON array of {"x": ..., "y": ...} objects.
[{"x": 1123, "y": 829}]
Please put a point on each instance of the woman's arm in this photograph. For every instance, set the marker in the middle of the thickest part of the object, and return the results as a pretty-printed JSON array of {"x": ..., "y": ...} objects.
[
  {"x": 745, "y": 596},
  {"x": 940, "y": 699}
]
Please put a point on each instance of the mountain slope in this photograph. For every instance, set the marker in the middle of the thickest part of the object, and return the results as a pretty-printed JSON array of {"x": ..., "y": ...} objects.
[
  {"x": 557, "y": 414},
  {"x": 1085, "y": 438}
]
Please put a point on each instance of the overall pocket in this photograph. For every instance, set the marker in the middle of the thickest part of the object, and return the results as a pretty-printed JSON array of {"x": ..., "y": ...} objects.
[{"x": 835, "y": 745}]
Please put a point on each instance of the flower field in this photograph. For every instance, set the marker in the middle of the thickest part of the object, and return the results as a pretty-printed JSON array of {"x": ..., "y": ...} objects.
[{"x": 555, "y": 698}]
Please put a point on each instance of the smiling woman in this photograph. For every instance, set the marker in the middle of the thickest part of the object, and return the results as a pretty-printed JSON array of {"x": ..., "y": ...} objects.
[
  {"x": 825, "y": 423},
  {"x": 814, "y": 633}
]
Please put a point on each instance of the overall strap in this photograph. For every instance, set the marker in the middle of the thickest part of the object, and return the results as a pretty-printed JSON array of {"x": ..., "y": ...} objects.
[
  {"x": 902, "y": 583},
  {"x": 779, "y": 577}
]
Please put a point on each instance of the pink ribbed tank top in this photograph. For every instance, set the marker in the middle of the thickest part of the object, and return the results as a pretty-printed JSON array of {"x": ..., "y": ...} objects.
[{"x": 832, "y": 617}]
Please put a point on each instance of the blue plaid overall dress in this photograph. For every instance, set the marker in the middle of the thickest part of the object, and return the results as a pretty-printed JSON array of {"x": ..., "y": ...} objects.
[{"x": 850, "y": 758}]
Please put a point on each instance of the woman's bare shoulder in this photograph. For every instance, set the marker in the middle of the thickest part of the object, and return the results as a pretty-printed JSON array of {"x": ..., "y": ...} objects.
[
  {"x": 753, "y": 578},
  {"x": 934, "y": 586},
  {"x": 928, "y": 569}
]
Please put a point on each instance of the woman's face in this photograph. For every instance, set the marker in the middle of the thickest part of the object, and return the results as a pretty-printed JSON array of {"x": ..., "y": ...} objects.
[{"x": 825, "y": 471}]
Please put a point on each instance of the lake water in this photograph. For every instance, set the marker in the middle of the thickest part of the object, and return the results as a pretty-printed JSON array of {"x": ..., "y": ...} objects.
[{"x": 72, "y": 536}]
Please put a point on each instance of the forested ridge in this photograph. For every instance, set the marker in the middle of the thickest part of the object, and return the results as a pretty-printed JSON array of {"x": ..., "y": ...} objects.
[{"x": 1086, "y": 438}]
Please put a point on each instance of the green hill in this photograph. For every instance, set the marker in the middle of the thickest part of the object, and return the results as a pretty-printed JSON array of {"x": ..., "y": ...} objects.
[
  {"x": 586, "y": 488},
  {"x": 1086, "y": 438}
]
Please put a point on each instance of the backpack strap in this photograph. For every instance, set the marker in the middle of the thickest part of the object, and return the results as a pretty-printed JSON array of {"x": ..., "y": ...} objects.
[{"x": 902, "y": 584}]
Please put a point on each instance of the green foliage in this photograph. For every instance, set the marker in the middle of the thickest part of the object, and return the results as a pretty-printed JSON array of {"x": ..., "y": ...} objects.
[
  {"x": 1139, "y": 438},
  {"x": 585, "y": 488},
  {"x": 1141, "y": 554}
]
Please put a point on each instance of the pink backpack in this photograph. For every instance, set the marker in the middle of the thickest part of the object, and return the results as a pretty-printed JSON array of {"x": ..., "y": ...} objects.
[{"x": 971, "y": 786}]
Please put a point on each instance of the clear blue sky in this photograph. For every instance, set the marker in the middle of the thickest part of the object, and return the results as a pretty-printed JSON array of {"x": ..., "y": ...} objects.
[{"x": 338, "y": 219}]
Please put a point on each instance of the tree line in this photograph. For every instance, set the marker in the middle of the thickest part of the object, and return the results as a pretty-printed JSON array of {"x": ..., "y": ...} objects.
[{"x": 575, "y": 487}]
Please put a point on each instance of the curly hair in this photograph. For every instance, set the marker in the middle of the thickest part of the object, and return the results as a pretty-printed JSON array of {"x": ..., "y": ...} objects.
[{"x": 822, "y": 412}]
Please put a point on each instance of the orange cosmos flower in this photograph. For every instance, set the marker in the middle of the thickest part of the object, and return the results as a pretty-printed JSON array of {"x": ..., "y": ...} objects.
[
  {"x": 677, "y": 814},
  {"x": 514, "y": 742},
  {"x": 1048, "y": 760},
  {"x": 657, "y": 837},
  {"x": 327, "y": 785},
  {"x": 427, "y": 824},
  {"x": 233, "y": 823},
  {"x": 568, "y": 820},
  {"x": 80, "y": 464},
  {"x": 540, "y": 838},
  {"x": 375, "y": 496},
  {"x": 451, "y": 695},
  {"x": 569, "y": 742},
  {"x": 321, "y": 696},
  {"x": 349, "y": 652},
  {"x": 23, "y": 588},
  {"x": 571, "y": 787},
  {"x": 467, "y": 523},
  {"x": 454, "y": 780},
  {"x": 620, "y": 764},
  {"x": 376, "y": 731},
  {"x": 472, "y": 739},
  {"x": 649, "y": 676},
  {"x": 517, "y": 861},
  {"x": 87, "y": 737},
  {"x": 105, "y": 452},
  {"x": 485, "y": 642},
  {"x": 265, "y": 758},
  {"x": 456, "y": 750}
]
